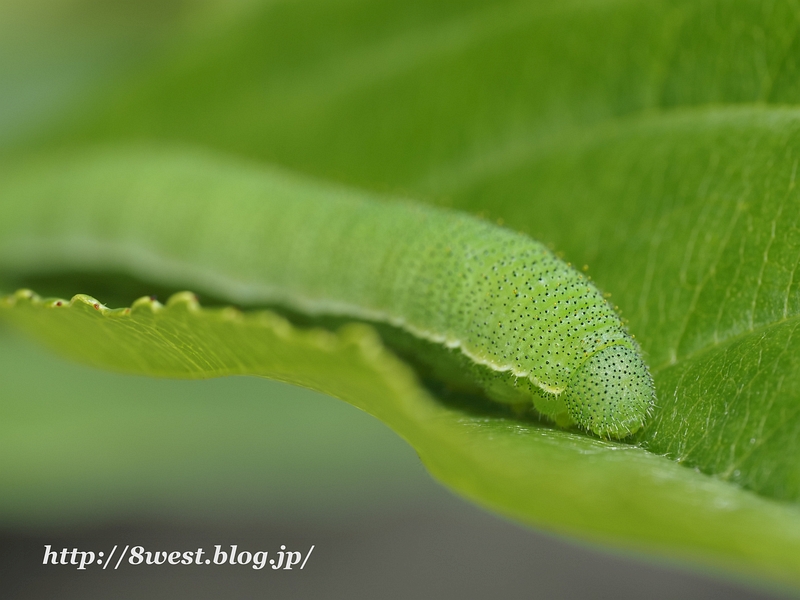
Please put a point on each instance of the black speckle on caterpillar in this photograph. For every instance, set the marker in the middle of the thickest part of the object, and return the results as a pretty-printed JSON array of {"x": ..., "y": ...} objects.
[{"x": 527, "y": 327}]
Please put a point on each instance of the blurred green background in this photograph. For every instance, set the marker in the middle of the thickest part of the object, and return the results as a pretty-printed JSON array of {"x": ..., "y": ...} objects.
[{"x": 92, "y": 459}]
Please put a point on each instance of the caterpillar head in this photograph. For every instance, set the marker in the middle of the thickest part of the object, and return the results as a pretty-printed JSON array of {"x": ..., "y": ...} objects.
[{"x": 612, "y": 393}]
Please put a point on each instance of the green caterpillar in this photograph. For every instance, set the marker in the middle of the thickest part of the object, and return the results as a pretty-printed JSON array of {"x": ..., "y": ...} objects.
[{"x": 515, "y": 320}]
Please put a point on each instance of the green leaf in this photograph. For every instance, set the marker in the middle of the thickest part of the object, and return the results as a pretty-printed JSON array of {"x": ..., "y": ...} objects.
[
  {"x": 383, "y": 94},
  {"x": 691, "y": 219},
  {"x": 559, "y": 480},
  {"x": 562, "y": 480},
  {"x": 656, "y": 142}
]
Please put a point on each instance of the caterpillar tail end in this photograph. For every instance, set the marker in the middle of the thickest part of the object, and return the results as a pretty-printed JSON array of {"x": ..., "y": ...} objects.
[{"x": 612, "y": 394}]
